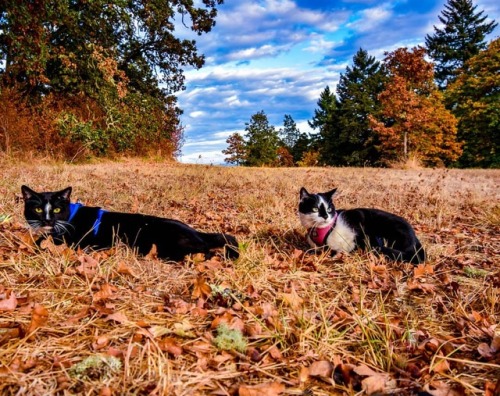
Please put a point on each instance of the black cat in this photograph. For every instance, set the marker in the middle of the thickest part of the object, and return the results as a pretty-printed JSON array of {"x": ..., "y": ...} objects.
[
  {"x": 344, "y": 230},
  {"x": 95, "y": 228}
]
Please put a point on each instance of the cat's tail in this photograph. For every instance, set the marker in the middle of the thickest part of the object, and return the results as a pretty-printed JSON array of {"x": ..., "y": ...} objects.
[
  {"x": 414, "y": 255},
  {"x": 216, "y": 240}
]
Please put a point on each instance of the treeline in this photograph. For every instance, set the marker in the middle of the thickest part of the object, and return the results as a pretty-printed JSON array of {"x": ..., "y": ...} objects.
[
  {"x": 441, "y": 113},
  {"x": 82, "y": 78}
]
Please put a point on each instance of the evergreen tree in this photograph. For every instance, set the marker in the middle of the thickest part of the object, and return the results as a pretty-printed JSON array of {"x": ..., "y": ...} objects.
[
  {"x": 236, "y": 149},
  {"x": 290, "y": 133},
  {"x": 325, "y": 119},
  {"x": 475, "y": 99},
  {"x": 302, "y": 145},
  {"x": 462, "y": 37},
  {"x": 357, "y": 93},
  {"x": 262, "y": 141}
]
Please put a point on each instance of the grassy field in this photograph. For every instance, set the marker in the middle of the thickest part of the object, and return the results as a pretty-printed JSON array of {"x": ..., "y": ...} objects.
[{"x": 277, "y": 321}]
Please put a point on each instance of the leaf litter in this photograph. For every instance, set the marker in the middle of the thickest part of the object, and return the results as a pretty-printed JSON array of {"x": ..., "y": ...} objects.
[{"x": 276, "y": 321}]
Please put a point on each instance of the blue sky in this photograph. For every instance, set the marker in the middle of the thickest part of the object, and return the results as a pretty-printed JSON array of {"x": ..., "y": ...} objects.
[{"x": 278, "y": 55}]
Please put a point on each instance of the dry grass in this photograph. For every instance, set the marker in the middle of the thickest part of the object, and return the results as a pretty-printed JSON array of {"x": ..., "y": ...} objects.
[{"x": 311, "y": 324}]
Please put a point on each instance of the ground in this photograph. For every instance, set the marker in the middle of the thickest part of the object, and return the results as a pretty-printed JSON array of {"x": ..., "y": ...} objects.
[{"x": 277, "y": 321}]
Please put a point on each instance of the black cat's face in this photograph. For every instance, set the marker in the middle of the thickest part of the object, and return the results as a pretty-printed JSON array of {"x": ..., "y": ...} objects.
[
  {"x": 47, "y": 211},
  {"x": 316, "y": 210}
]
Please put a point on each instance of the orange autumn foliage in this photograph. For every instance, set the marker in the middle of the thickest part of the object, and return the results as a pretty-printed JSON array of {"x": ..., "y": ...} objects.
[{"x": 414, "y": 120}]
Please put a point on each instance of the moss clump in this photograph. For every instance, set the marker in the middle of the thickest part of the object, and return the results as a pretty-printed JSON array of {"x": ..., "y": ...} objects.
[
  {"x": 229, "y": 339},
  {"x": 95, "y": 367}
]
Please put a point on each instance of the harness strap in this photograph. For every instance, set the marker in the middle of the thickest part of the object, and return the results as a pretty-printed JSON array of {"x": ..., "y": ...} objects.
[
  {"x": 97, "y": 222},
  {"x": 320, "y": 235},
  {"x": 73, "y": 209}
]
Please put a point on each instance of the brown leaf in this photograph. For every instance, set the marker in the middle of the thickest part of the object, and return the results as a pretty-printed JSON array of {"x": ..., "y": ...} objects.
[
  {"x": 171, "y": 346},
  {"x": 124, "y": 269},
  {"x": 119, "y": 317},
  {"x": 422, "y": 270},
  {"x": 375, "y": 382},
  {"x": 322, "y": 368},
  {"x": 88, "y": 266},
  {"x": 201, "y": 288},
  {"x": 100, "y": 343},
  {"x": 153, "y": 253},
  {"x": 292, "y": 299},
  {"x": 9, "y": 304},
  {"x": 83, "y": 313},
  {"x": 441, "y": 366},
  {"x": 425, "y": 287},
  {"x": 106, "y": 292},
  {"x": 437, "y": 388},
  {"x": 267, "y": 389},
  {"x": 39, "y": 318},
  {"x": 303, "y": 374}
]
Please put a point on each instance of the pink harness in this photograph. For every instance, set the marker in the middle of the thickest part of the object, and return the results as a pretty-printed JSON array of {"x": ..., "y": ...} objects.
[{"x": 320, "y": 235}]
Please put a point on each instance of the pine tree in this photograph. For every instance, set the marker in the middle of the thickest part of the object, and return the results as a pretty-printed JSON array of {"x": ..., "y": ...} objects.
[
  {"x": 236, "y": 149},
  {"x": 357, "y": 93},
  {"x": 262, "y": 141},
  {"x": 475, "y": 98},
  {"x": 325, "y": 119},
  {"x": 290, "y": 133},
  {"x": 302, "y": 145},
  {"x": 462, "y": 37}
]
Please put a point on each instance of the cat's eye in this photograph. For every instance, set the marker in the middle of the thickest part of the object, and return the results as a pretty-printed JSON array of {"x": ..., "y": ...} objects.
[
  {"x": 315, "y": 209},
  {"x": 57, "y": 210},
  {"x": 329, "y": 210},
  {"x": 38, "y": 210}
]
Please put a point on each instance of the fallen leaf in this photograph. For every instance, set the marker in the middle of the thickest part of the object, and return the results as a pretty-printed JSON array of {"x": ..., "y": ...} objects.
[
  {"x": 422, "y": 270},
  {"x": 441, "y": 366},
  {"x": 425, "y": 287},
  {"x": 322, "y": 368},
  {"x": 153, "y": 253},
  {"x": 267, "y": 389},
  {"x": 201, "y": 288},
  {"x": 441, "y": 389},
  {"x": 171, "y": 346},
  {"x": 39, "y": 318},
  {"x": 124, "y": 269},
  {"x": 119, "y": 317},
  {"x": 375, "y": 382},
  {"x": 292, "y": 299},
  {"x": 9, "y": 304},
  {"x": 101, "y": 342},
  {"x": 88, "y": 265},
  {"x": 106, "y": 292}
]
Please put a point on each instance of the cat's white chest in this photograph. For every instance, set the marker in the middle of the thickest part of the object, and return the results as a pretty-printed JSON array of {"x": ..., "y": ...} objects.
[{"x": 342, "y": 238}]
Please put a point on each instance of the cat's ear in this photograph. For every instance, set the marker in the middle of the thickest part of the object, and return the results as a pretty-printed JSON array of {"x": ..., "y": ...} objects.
[
  {"x": 330, "y": 194},
  {"x": 64, "y": 194},
  {"x": 27, "y": 192},
  {"x": 303, "y": 193}
]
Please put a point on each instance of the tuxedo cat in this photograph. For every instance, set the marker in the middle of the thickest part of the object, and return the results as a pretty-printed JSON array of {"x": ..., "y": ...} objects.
[
  {"x": 92, "y": 227},
  {"x": 344, "y": 230}
]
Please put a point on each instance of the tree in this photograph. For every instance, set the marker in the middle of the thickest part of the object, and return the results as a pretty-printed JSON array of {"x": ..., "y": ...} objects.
[
  {"x": 119, "y": 59},
  {"x": 462, "y": 37},
  {"x": 325, "y": 120},
  {"x": 47, "y": 45},
  {"x": 262, "y": 141},
  {"x": 290, "y": 133},
  {"x": 475, "y": 100},
  {"x": 414, "y": 119},
  {"x": 302, "y": 145},
  {"x": 236, "y": 150},
  {"x": 357, "y": 94}
]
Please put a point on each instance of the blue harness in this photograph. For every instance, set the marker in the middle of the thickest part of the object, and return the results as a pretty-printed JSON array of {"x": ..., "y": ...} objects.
[{"x": 73, "y": 209}]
